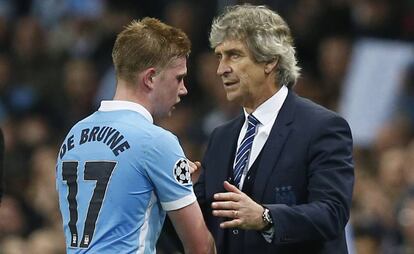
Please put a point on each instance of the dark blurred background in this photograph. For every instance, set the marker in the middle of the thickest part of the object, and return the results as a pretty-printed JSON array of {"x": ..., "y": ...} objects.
[{"x": 357, "y": 58}]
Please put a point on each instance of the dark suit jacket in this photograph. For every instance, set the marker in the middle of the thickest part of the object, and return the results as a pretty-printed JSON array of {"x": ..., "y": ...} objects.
[
  {"x": 305, "y": 177},
  {"x": 1, "y": 163}
]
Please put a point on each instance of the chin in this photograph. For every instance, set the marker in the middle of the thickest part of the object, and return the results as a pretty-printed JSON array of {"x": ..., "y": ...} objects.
[
  {"x": 232, "y": 97},
  {"x": 167, "y": 113}
]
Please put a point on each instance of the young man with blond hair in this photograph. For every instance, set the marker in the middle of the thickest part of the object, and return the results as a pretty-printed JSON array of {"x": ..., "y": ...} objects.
[{"x": 118, "y": 174}]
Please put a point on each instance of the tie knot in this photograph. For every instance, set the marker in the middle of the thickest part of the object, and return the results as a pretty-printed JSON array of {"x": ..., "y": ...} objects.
[{"x": 252, "y": 121}]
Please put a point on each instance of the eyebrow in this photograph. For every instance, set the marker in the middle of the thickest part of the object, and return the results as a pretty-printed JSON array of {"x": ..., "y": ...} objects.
[
  {"x": 230, "y": 52},
  {"x": 181, "y": 76}
]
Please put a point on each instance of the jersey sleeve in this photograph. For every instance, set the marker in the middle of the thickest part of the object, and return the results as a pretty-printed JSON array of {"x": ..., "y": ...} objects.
[{"x": 168, "y": 170}]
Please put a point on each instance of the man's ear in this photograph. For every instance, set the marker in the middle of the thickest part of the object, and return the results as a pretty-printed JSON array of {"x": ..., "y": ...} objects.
[
  {"x": 148, "y": 76},
  {"x": 271, "y": 65}
]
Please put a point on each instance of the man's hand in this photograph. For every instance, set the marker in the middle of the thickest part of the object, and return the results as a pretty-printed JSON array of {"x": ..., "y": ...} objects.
[
  {"x": 195, "y": 170},
  {"x": 240, "y": 208}
]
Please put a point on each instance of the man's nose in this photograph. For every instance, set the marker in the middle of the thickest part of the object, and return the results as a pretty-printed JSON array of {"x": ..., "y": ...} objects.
[
  {"x": 183, "y": 90},
  {"x": 223, "y": 68}
]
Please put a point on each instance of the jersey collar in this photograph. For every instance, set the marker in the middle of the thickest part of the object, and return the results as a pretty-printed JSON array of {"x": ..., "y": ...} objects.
[{"x": 125, "y": 105}]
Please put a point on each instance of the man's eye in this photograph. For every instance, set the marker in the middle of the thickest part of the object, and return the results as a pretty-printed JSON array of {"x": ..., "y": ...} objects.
[{"x": 235, "y": 56}]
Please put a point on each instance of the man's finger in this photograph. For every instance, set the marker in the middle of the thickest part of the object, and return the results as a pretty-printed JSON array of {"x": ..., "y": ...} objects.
[
  {"x": 231, "y": 224},
  {"x": 233, "y": 214},
  {"x": 228, "y": 205},
  {"x": 194, "y": 166},
  {"x": 229, "y": 196},
  {"x": 230, "y": 187}
]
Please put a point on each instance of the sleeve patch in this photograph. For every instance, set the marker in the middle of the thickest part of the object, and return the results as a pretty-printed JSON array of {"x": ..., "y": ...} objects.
[{"x": 181, "y": 171}]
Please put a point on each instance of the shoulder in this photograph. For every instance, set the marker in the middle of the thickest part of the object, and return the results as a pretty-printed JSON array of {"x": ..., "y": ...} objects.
[
  {"x": 309, "y": 112},
  {"x": 162, "y": 135},
  {"x": 235, "y": 123},
  {"x": 306, "y": 106},
  {"x": 319, "y": 123},
  {"x": 88, "y": 119},
  {"x": 160, "y": 140}
]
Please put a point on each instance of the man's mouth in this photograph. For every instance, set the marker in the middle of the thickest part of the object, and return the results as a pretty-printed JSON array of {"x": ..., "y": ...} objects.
[{"x": 230, "y": 83}]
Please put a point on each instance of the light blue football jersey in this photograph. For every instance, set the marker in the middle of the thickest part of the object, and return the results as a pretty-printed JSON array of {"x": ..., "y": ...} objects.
[{"x": 117, "y": 174}]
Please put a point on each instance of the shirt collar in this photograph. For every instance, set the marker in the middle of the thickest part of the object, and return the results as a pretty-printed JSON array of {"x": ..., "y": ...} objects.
[
  {"x": 125, "y": 105},
  {"x": 270, "y": 108}
]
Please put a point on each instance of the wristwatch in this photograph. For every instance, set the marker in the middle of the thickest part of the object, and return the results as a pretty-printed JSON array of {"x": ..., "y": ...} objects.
[{"x": 267, "y": 219}]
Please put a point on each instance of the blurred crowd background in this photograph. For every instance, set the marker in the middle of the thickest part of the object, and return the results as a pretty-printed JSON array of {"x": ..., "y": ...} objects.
[{"x": 56, "y": 66}]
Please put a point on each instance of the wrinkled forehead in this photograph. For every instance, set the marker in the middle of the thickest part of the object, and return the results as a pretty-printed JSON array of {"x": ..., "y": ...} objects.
[{"x": 230, "y": 44}]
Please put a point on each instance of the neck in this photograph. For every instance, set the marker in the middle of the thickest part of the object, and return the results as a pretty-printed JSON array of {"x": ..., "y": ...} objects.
[
  {"x": 261, "y": 96},
  {"x": 126, "y": 91}
]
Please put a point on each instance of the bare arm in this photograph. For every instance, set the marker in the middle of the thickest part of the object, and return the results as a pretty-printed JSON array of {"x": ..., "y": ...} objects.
[{"x": 189, "y": 224}]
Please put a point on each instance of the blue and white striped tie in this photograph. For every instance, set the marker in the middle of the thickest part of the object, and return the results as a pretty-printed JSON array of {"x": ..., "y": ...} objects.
[{"x": 242, "y": 155}]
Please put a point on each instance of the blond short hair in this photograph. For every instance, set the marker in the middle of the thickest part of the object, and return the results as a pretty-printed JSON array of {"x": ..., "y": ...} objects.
[{"x": 147, "y": 43}]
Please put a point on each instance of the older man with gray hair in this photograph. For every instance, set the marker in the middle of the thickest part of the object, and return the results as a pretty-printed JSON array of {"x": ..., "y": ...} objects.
[{"x": 278, "y": 178}]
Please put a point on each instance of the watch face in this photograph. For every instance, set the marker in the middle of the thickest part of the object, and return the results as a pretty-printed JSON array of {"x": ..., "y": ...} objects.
[{"x": 266, "y": 216}]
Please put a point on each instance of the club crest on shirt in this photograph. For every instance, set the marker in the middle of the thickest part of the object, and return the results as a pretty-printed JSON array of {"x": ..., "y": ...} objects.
[{"x": 181, "y": 171}]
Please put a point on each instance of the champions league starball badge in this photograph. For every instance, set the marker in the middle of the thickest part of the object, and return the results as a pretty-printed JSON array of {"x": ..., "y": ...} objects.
[{"x": 181, "y": 171}]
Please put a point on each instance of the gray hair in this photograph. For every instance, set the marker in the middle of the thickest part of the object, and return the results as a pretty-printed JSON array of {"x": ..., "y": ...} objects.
[{"x": 265, "y": 33}]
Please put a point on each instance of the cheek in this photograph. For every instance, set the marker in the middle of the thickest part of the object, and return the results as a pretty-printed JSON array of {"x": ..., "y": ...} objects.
[
  {"x": 172, "y": 92},
  {"x": 243, "y": 72},
  {"x": 245, "y": 80},
  {"x": 254, "y": 77},
  {"x": 244, "y": 75}
]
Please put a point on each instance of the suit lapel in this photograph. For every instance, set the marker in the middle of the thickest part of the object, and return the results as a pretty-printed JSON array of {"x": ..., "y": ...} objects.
[
  {"x": 274, "y": 144},
  {"x": 226, "y": 152}
]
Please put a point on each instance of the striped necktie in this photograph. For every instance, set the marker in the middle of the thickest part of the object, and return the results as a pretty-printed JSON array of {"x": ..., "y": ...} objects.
[{"x": 242, "y": 155}]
